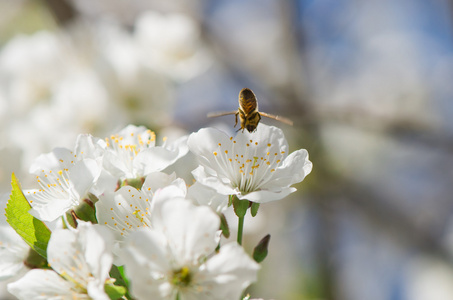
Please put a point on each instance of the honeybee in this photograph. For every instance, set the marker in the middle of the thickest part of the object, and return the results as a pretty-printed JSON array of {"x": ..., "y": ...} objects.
[{"x": 248, "y": 112}]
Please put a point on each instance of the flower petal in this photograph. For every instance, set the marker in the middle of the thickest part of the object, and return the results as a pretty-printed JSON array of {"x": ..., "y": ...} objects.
[
  {"x": 158, "y": 180},
  {"x": 221, "y": 186},
  {"x": 146, "y": 264},
  {"x": 204, "y": 195},
  {"x": 293, "y": 169},
  {"x": 265, "y": 196},
  {"x": 156, "y": 159},
  {"x": 42, "y": 284},
  {"x": 228, "y": 274}
]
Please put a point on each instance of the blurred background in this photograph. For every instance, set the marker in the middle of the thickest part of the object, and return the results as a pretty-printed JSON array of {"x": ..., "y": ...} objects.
[{"x": 368, "y": 85}]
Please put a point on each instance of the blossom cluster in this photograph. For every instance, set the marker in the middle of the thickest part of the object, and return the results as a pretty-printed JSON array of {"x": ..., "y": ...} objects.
[{"x": 121, "y": 227}]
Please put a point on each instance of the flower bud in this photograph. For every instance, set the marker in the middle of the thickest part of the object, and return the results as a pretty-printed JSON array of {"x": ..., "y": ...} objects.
[{"x": 260, "y": 251}]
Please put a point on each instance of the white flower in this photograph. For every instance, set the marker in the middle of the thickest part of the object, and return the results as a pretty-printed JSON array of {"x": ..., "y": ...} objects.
[
  {"x": 63, "y": 181},
  {"x": 133, "y": 153},
  {"x": 129, "y": 209},
  {"x": 253, "y": 166},
  {"x": 81, "y": 261},
  {"x": 176, "y": 257}
]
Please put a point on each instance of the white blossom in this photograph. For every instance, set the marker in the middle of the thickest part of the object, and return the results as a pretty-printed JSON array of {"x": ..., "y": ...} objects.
[
  {"x": 128, "y": 209},
  {"x": 80, "y": 259},
  {"x": 64, "y": 181},
  {"x": 133, "y": 153},
  {"x": 176, "y": 257},
  {"x": 253, "y": 166}
]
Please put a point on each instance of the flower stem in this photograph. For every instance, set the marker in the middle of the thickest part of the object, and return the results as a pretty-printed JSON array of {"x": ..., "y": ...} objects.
[{"x": 240, "y": 229}]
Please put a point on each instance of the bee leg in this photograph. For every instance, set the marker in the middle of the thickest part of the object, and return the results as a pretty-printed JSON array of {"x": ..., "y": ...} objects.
[
  {"x": 236, "y": 115},
  {"x": 259, "y": 118}
]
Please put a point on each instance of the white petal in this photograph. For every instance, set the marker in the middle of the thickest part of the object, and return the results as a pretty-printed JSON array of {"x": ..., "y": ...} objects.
[
  {"x": 147, "y": 264},
  {"x": 97, "y": 242},
  {"x": 228, "y": 273},
  {"x": 117, "y": 166},
  {"x": 58, "y": 159},
  {"x": 127, "y": 210},
  {"x": 190, "y": 230},
  {"x": 158, "y": 180},
  {"x": 41, "y": 285},
  {"x": 265, "y": 196},
  {"x": 203, "y": 195},
  {"x": 206, "y": 140},
  {"x": 13, "y": 252},
  {"x": 157, "y": 158},
  {"x": 50, "y": 211},
  {"x": 83, "y": 255},
  {"x": 293, "y": 169},
  {"x": 88, "y": 146},
  {"x": 83, "y": 175},
  {"x": 214, "y": 182}
]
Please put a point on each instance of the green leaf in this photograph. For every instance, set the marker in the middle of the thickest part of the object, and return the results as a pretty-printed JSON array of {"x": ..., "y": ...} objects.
[
  {"x": 240, "y": 206},
  {"x": 33, "y": 231},
  {"x": 115, "y": 292},
  {"x": 254, "y": 208},
  {"x": 260, "y": 251},
  {"x": 224, "y": 226}
]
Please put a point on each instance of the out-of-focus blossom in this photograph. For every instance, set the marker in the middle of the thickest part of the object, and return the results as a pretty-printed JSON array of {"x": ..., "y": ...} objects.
[
  {"x": 253, "y": 166},
  {"x": 179, "y": 52},
  {"x": 81, "y": 261},
  {"x": 176, "y": 256},
  {"x": 142, "y": 94},
  {"x": 50, "y": 94}
]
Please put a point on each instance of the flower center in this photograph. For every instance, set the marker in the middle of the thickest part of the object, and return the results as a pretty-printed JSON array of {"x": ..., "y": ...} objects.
[
  {"x": 129, "y": 146},
  {"x": 55, "y": 185},
  {"x": 182, "y": 277},
  {"x": 250, "y": 167}
]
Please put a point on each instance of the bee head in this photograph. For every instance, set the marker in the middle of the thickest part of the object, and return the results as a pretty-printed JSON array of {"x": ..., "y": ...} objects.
[{"x": 251, "y": 128}]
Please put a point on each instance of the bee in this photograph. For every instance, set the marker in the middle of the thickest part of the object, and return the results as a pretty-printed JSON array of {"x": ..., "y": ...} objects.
[{"x": 248, "y": 112}]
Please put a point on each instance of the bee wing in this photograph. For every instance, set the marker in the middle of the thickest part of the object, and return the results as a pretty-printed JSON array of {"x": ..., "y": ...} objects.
[
  {"x": 278, "y": 118},
  {"x": 221, "y": 113}
]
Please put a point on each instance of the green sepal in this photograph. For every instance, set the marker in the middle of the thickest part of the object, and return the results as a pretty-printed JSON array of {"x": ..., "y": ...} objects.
[
  {"x": 120, "y": 279},
  {"x": 254, "y": 208},
  {"x": 34, "y": 232},
  {"x": 86, "y": 211},
  {"x": 260, "y": 251},
  {"x": 134, "y": 182},
  {"x": 240, "y": 206},
  {"x": 116, "y": 273},
  {"x": 224, "y": 226},
  {"x": 35, "y": 260},
  {"x": 115, "y": 292},
  {"x": 230, "y": 200}
]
